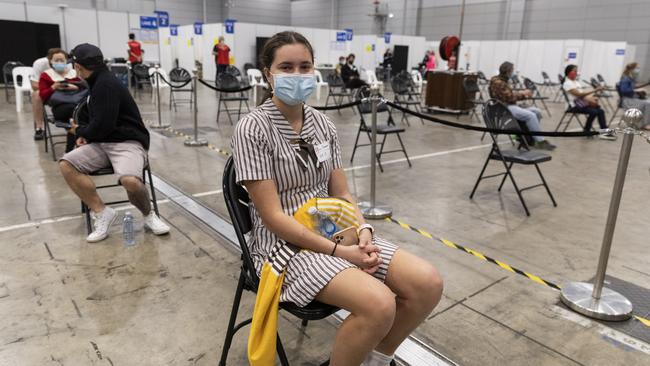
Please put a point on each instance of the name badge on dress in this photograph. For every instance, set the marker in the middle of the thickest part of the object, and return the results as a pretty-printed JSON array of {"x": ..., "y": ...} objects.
[{"x": 323, "y": 151}]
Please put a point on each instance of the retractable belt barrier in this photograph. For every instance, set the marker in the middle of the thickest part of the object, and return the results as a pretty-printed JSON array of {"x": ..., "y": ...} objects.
[
  {"x": 172, "y": 84},
  {"x": 492, "y": 130},
  {"x": 340, "y": 106},
  {"x": 248, "y": 87}
]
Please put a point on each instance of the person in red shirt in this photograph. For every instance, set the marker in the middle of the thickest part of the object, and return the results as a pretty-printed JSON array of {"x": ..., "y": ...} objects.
[
  {"x": 221, "y": 53},
  {"x": 136, "y": 55},
  {"x": 60, "y": 76}
]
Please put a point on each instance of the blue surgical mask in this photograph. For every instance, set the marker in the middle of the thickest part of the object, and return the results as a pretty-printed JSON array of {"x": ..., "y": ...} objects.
[
  {"x": 636, "y": 72},
  {"x": 59, "y": 66},
  {"x": 293, "y": 89}
]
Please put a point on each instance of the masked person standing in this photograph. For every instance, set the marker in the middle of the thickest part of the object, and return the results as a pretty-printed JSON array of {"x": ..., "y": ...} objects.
[{"x": 286, "y": 153}]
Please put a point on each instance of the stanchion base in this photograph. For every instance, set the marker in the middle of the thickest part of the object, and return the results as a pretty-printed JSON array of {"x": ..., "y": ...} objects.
[
  {"x": 611, "y": 306},
  {"x": 379, "y": 211},
  {"x": 161, "y": 126},
  {"x": 197, "y": 142}
]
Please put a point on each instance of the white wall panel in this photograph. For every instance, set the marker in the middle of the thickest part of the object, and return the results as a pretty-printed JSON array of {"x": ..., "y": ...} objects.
[
  {"x": 185, "y": 48},
  {"x": 80, "y": 27},
  {"x": 12, "y": 12},
  {"x": 113, "y": 33}
]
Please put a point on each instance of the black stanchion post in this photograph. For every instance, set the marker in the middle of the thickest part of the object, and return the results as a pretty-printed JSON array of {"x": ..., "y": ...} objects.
[
  {"x": 196, "y": 141},
  {"x": 594, "y": 300},
  {"x": 160, "y": 125},
  {"x": 371, "y": 209}
]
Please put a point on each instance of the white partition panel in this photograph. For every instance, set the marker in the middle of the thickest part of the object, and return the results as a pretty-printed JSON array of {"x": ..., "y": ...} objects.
[
  {"x": 530, "y": 59},
  {"x": 593, "y": 59},
  {"x": 630, "y": 54},
  {"x": 613, "y": 61},
  {"x": 166, "y": 49},
  {"x": 244, "y": 46},
  {"x": 48, "y": 14},
  {"x": 552, "y": 59},
  {"x": 572, "y": 52},
  {"x": 469, "y": 55},
  {"x": 113, "y": 33},
  {"x": 12, "y": 11},
  {"x": 185, "y": 48},
  {"x": 148, "y": 38},
  {"x": 487, "y": 62},
  {"x": 81, "y": 27}
]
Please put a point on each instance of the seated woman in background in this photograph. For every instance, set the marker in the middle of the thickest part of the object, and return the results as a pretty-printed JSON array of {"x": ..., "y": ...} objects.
[
  {"x": 286, "y": 153},
  {"x": 60, "y": 77},
  {"x": 350, "y": 74},
  {"x": 585, "y": 102},
  {"x": 632, "y": 95}
]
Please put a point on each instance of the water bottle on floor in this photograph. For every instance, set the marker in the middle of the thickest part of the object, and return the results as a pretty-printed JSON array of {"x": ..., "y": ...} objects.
[{"x": 128, "y": 231}]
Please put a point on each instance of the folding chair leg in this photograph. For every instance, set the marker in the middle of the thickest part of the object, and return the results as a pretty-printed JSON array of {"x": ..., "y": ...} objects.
[
  {"x": 504, "y": 179},
  {"x": 480, "y": 176},
  {"x": 283, "y": 356},
  {"x": 230, "y": 331},
  {"x": 546, "y": 107},
  {"x": 568, "y": 122},
  {"x": 356, "y": 142},
  {"x": 219, "y": 110},
  {"x": 153, "y": 192},
  {"x": 381, "y": 151},
  {"x": 559, "y": 124},
  {"x": 404, "y": 150},
  {"x": 512, "y": 179},
  {"x": 238, "y": 111},
  {"x": 548, "y": 190},
  {"x": 86, "y": 212}
]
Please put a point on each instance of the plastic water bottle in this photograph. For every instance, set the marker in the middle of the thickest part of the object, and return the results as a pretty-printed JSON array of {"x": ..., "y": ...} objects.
[
  {"x": 128, "y": 231},
  {"x": 323, "y": 223}
]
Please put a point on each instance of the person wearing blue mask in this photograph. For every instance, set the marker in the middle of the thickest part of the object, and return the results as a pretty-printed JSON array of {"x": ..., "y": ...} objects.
[
  {"x": 60, "y": 79},
  {"x": 633, "y": 95},
  {"x": 286, "y": 153}
]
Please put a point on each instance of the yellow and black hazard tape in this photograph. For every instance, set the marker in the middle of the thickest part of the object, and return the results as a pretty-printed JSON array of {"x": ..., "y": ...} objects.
[
  {"x": 209, "y": 146},
  {"x": 486, "y": 258}
]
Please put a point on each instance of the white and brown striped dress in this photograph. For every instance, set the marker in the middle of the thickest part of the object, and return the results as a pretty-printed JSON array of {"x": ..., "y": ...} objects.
[{"x": 262, "y": 151}]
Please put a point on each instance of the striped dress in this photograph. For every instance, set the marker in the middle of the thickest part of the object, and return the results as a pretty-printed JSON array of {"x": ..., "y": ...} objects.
[{"x": 262, "y": 151}]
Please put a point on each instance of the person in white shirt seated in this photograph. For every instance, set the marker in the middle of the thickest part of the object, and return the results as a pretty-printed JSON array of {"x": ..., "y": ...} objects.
[
  {"x": 40, "y": 65},
  {"x": 585, "y": 102}
]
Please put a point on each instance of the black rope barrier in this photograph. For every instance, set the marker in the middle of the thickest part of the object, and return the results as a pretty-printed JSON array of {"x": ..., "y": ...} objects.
[
  {"x": 177, "y": 86},
  {"x": 491, "y": 130},
  {"x": 225, "y": 90},
  {"x": 340, "y": 106}
]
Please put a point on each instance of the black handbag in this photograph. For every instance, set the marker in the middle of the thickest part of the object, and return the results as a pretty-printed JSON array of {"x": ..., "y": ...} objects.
[{"x": 67, "y": 97}]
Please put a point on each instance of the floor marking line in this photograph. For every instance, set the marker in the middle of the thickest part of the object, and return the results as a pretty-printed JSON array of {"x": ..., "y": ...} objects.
[
  {"x": 30, "y": 224},
  {"x": 486, "y": 258}
]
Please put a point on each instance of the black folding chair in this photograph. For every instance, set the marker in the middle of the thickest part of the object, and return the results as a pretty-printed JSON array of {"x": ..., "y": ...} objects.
[
  {"x": 237, "y": 201},
  {"x": 537, "y": 96},
  {"x": 497, "y": 116},
  {"x": 571, "y": 111},
  {"x": 230, "y": 84},
  {"x": 603, "y": 94},
  {"x": 384, "y": 130},
  {"x": 557, "y": 97},
  {"x": 337, "y": 91},
  {"x": 405, "y": 94},
  {"x": 619, "y": 104},
  {"x": 473, "y": 96},
  {"x": 7, "y": 76},
  {"x": 180, "y": 75},
  {"x": 547, "y": 83},
  {"x": 49, "y": 136},
  {"x": 80, "y": 116},
  {"x": 141, "y": 77}
]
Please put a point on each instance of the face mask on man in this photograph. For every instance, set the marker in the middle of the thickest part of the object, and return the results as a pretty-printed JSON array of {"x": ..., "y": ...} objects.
[
  {"x": 59, "y": 66},
  {"x": 293, "y": 89}
]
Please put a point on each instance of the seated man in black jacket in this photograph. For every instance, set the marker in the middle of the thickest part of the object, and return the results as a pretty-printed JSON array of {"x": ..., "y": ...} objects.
[
  {"x": 350, "y": 74},
  {"x": 114, "y": 136}
]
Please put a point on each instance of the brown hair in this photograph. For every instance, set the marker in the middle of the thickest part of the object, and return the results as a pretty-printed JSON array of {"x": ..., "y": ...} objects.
[
  {"x": 629, "y": 67},
  {"x": 274, "y": 43},
  {"x": 53, "y": 51}
]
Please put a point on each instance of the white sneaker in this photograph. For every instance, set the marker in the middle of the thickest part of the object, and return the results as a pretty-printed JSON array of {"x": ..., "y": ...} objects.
[
  {"x": 155, "y": 224},
  {"x": 102, "y": 222},
  {"x": 611, "y": 136}
]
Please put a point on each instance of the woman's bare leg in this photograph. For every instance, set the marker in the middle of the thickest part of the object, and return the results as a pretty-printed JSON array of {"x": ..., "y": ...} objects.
[
  {"x": 372, "y": 310},
  {"x": 418, "y": 287}
]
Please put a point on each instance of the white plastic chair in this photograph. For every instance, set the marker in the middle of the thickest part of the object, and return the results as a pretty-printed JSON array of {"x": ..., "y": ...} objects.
[
  {"x": 320, "y": 83},
  {"x": 164, "y": 88},
  {"x": 255, "y": 78},
  {"x": 417, "y": 79},
  {"x": 25, "y": 86},
  {"x": 373, "y": 81}
]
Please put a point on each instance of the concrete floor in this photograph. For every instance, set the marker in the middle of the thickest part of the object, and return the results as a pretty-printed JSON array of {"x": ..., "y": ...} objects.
[{"x": 166, "y": 301}]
